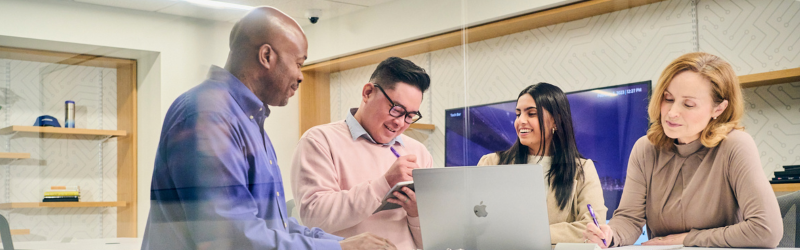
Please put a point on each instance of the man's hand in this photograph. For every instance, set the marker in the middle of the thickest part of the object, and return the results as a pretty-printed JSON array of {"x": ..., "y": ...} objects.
[
  {"x": 401, "y": 170},
  {"x": 407, "y": 201},
  {"x": 366, "y": 241}
]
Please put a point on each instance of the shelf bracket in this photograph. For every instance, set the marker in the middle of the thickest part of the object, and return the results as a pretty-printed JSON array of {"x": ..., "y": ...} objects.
[{"x": 105, "y": 138}]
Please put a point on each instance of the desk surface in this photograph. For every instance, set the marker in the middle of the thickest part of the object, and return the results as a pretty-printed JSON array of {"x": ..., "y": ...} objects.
[
  {"x": 136, "y": 244},
  {"x": 80, "y": 244}
]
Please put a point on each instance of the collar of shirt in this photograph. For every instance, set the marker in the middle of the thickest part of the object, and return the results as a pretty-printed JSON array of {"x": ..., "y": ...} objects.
[
  {"x": 684, "y": 150},
  {"x": 356, "y": 130},
  {"x": 246, "y": 99}
]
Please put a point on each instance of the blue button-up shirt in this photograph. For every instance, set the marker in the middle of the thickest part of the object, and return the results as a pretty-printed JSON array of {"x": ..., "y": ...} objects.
[{"x": 216, "y": 182}]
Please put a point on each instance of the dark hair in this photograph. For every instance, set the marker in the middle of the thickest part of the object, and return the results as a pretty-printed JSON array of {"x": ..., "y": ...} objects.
[
  {"x": 566, "y": 164},
  {"x": 395, "y": 69}
]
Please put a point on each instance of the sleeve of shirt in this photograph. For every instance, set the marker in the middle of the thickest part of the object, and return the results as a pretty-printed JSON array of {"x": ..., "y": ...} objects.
[
  {"x": 629, "y": 218},
  {"x": 588, "y": 191},
  {"x": 761, "y": 225},
  {"x": 489, "y": 159},
  {"x": 210, "y": 173},
  {"x": 295, "y": 227},
  {"x": 322, "y": 202}
]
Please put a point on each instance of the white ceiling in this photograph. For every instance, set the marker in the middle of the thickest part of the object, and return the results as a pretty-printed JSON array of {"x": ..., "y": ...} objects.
[{"x": 295, "y": 8}]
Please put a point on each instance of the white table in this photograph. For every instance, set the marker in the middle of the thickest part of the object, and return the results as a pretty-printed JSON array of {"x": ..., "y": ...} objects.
[{"x": 79, "y": 244}]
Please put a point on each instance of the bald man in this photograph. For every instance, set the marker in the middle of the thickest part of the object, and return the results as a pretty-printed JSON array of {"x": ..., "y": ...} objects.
[{"x": 216, "y": 182}]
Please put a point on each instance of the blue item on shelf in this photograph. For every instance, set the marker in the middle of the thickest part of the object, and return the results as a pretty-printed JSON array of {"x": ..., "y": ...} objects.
[{"x": 47, "y": 121}]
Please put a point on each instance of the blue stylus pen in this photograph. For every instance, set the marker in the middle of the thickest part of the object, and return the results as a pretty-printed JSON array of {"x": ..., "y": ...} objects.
[
  {"x": 594, "y": 218},
  {"x": 395, "y": 152}
]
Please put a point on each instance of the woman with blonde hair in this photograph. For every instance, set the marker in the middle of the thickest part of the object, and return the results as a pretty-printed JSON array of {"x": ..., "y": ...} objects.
[{"x": 696, "y": 178}]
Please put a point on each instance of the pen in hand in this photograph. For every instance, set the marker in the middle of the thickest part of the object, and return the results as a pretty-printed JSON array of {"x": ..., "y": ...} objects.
[
  {"x": 394, "y": 152},
  {"x": 594, "y": 218}
]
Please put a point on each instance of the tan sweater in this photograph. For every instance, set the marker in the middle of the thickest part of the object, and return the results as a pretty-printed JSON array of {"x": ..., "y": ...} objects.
[
  {"x": 719, "y": 195},
  {"x": 568, "y": 225}
]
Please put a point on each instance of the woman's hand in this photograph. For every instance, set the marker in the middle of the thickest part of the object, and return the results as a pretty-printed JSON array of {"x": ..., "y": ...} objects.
[
  {"x": 673, "y": 239},
  {"x": 407, "y": 201},
  {"x": 593, "y": 234}
]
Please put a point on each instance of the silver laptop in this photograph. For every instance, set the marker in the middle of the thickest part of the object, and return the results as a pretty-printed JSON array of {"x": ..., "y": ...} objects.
[{"x": 488, "y": 207}]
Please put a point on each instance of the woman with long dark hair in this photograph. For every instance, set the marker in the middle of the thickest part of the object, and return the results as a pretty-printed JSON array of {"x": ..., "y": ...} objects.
[{"x": 545, "y": 137}]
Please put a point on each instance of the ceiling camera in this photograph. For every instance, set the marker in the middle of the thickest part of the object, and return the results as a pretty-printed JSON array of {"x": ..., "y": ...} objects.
[{"x": 313, "y": 15}]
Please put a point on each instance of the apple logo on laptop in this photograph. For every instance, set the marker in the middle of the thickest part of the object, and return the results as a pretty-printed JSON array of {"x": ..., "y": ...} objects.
[{"x": 480, "y": 210}]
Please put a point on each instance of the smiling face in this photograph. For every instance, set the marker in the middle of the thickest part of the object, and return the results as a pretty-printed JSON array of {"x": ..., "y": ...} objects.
[
  {"x": 284, "y": 79},
  {"x": 527, "y": 125},
  {"x": 688, "y": 106},
  {"x": 373, "y": 113}
]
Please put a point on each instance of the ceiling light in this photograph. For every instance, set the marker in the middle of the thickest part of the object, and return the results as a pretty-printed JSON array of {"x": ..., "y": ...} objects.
[{"x": 219, "y": 5}]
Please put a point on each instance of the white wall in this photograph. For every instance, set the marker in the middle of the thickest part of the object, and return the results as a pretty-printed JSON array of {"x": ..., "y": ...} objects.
[
  {"x": 400, "y": 21},
  {"x": 174, "y": 55}
]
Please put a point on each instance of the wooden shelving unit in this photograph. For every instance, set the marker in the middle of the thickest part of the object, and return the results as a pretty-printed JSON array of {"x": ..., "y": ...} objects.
[
  {"x": 7, "y": 155},
  {"x": 785, "y": 187},
  {"x": 125, "y": 135},
  {"x": 66, "y": 131},
  {"x": 770, "y": 78},
  {"x": 14, "y": 205},
  {"x": 20, "y": 231},
  {"x": 422, "y": 126}
]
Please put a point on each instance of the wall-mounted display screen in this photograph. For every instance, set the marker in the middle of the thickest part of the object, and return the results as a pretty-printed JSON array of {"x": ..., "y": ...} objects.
[{"x": 607, "y": 122}]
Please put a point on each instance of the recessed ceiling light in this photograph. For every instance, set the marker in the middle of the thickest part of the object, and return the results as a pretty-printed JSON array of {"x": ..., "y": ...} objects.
[{"x": 219, "y": 5}]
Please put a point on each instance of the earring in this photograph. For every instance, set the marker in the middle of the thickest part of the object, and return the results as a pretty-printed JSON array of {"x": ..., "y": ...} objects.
[
  {"x": 554, "y": 130},
  {"x": 714, "y": 117}
]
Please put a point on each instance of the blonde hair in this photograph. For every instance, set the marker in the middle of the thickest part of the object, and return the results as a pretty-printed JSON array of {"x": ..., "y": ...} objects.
[{"x": 725, "y": 86}]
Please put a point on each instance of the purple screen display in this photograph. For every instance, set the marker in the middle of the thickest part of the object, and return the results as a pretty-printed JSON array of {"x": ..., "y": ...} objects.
[{"x": 607, "y": 122}]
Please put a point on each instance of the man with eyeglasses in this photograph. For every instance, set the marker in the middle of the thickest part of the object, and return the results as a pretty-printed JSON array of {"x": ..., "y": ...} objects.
[{"x": 342, "y": 170}]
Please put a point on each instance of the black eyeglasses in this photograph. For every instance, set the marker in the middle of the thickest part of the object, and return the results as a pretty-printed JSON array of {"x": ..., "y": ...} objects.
[{"x": 398, "y": 110}]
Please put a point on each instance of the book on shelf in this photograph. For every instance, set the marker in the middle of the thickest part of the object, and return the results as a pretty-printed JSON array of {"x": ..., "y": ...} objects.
[
  {"x": 71, "y": 199},
  {"x": 785, "y": 180},
  {"x": 791, "y": 167},
  {"x": 792, "y": 172},
  {"x": 65, "y": 188},
  {"x": 62, "y": 194},
  {"x": 56, "y": 197}
]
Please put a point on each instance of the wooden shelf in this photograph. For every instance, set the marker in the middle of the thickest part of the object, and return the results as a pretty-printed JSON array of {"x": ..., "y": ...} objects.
[
  {"x": 62, "y": 204},
  {"x": 20, "y": 231},
  {"x": 422, "y": 126},
  {"x": 770, "y": 78},
  {"x": 785, "y": 187},
  {"x": 7, "y": 155},
  {"x": 67, "y": 131}
]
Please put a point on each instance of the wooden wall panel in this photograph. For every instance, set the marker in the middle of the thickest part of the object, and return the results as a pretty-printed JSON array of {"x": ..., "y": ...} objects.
[
  {"x": 315, "y": 100},
  {"x": 126, "y": 149}
]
